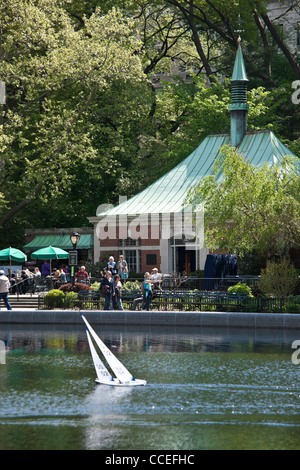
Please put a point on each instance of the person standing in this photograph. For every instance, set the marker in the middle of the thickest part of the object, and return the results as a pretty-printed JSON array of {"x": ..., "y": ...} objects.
[
  {"x": 45, "y": 269},
  {"x": 147, "y": 291},
  {"x": 4, "y": 288},
  {"x": 107, "y": 288},
  {"x": 122, "y": 267},
  {"x": 117, "y": 293},
  {"x": 111, "y": 266}
]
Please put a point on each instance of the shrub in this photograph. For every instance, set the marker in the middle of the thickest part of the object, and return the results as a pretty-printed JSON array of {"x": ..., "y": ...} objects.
[
  {"x": 66, "y": 287},
  {"x": 54, "y": 298},
  {"x": 240, "y": 288},
  {"x": 96, "y": 285},
  {"x": 131, "y": 286},
  {"x": 291, "y": 307},
  {"x": 279, "y": 279},
  {"x": 69, "y": 299},
  {"x": 78, "y": 286}
]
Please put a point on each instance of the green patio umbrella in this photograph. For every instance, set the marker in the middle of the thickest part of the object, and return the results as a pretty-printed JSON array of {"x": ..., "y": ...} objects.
[
  {"x": 50, "y": 252},
  {"x": 13, "y": 254}
]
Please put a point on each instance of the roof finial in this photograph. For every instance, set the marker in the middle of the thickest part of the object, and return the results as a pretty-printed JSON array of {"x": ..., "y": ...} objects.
[{"x": 240, "y": 30}]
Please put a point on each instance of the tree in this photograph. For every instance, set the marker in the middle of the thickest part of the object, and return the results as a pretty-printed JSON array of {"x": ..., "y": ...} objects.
[
  {"x": 250, "y": 209},
  {"x": 221, "y": 18},
  {"x": 278, "y": 279},
  {"x": 84, "y": 122},
  {"x": 55, "y": 77}
]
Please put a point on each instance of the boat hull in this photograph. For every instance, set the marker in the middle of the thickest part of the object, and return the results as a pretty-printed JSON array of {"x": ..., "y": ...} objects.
[{"x": 117, "y": 383}]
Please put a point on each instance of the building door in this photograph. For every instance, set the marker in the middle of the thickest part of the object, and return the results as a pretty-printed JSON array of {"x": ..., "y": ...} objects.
[
  {"x": 190, "y": 261},
  {"x": 185, "y": 260}
]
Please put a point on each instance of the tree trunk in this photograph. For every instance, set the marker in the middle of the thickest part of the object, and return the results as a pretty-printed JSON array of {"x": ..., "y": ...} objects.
[
  {"x": 21, "y": 205},
  {"x": 281, "y": 44},
  {"x": 262, "y": 30}
]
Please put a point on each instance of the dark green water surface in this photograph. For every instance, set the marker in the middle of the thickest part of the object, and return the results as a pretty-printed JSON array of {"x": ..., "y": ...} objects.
[{"x": 207, "y": 389}]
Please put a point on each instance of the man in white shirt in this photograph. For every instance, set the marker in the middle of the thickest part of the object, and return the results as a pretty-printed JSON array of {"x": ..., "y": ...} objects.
[
  {"x": 155, "y": 275},
  {"x": 4, "y": 287}
]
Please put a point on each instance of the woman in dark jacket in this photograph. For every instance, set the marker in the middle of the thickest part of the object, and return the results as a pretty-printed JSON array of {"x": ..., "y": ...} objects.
[
  {"x": 107, "y": 287},
  {"x": 117, "y": 293}
]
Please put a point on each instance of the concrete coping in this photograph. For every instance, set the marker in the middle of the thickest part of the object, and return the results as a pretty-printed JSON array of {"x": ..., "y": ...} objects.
[{"x": 157, "y": 318}]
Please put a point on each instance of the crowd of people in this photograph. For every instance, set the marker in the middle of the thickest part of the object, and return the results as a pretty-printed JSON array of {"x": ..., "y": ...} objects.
[
  {"x": 114, "y": 274},
  {"x": 111, "y": 285},
  {"x": 28, "y": 280}
]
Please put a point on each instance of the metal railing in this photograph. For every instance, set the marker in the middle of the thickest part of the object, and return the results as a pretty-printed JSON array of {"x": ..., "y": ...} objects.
[{"x": 182, "y": 301}]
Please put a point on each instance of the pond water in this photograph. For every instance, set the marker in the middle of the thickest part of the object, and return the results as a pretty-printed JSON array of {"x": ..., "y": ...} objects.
[{"x": 207, "y": 389}]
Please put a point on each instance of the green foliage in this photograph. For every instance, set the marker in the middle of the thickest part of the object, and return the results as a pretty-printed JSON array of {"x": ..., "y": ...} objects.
[
  {"x": 131, "y": 286},
  {"x": 278, "y": 279},
  {"x": 54, "y": 299},
  {"x": 240, "y": 288},
  {"x": 56, "y": 78},
  {"x": 292, "y": 307},
  {"x": 96, "y": 286},
  {"x": 250, "y": 209},
  {"x": 70, "y": 297},
  {"x": 57, "y": 298},
  {"x": 82, "y": 117}
]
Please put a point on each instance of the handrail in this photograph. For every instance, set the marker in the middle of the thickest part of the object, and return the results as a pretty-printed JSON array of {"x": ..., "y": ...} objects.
[{"x": 17, "y": 284}]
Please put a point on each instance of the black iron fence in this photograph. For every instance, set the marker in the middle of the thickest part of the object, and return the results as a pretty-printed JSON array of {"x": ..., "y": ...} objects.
[{"x": 175, "y": 300}]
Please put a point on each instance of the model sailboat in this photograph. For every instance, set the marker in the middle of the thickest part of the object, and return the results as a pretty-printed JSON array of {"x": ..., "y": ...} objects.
[{"x": 123, "y": 376}]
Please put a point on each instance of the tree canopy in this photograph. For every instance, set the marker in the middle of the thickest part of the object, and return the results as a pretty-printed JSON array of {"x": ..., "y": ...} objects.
[
  {"x": 250, "y": 209},
  {"x": 85, "y": 120}
]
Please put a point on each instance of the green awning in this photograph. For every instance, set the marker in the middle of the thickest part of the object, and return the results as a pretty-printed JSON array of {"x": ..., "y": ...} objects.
[{"x": 86, "y": 242}]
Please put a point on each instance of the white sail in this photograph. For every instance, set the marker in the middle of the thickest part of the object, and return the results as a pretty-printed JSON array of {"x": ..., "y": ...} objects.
[
  {"x": 117, "y": 367},
  {"x": 102, "y": 373}
]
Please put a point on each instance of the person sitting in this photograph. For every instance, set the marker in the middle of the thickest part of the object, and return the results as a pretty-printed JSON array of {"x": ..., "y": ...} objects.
[
  {"x": 56, "y": 278},
  {"x": 63, "y": 276},
  {"x": 37, "y": 272},
  {"x": 82, "y": 276},
  {"x": 25, "y": 284}
]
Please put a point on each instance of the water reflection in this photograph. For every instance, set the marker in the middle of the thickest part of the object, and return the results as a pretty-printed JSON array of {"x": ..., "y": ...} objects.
[
  {"x": 102, "y": 404},
  {"x": 149, "y": 339}
]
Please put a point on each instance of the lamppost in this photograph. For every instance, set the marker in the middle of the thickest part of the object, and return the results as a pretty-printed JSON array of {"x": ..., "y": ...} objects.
[{"x": 73, "y": 255}]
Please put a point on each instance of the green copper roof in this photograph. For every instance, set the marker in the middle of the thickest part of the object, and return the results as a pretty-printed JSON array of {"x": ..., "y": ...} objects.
[
  {"x": 167, "y": 194},
  {"x": 60, "y": 241},
  {"x": 239, "y": 70}
]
